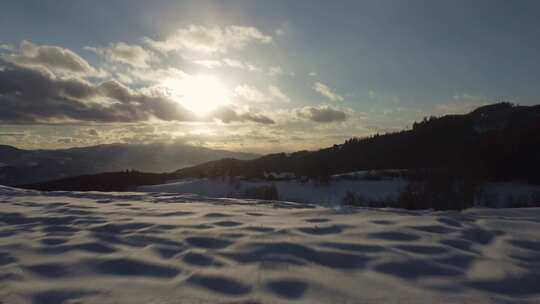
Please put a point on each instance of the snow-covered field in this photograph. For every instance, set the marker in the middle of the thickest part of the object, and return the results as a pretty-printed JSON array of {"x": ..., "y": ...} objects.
[
  {"x": 66, "y": 247},
  {"x": 293, "y": 190},
  {"x": 497, "y": 195}
]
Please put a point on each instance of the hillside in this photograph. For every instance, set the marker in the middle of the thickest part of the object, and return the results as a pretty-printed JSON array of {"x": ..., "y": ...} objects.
[{"x": 497, "y": 142}]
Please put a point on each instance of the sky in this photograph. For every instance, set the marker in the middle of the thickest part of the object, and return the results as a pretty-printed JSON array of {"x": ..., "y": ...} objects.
[{"x": 255, "y": 76}]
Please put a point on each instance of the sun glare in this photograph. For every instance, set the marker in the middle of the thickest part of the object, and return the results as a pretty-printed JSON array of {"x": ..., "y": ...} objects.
[{"x": 199, "y": 94}]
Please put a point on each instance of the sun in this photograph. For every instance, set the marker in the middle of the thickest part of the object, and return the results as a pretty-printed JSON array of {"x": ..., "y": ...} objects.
[{"x": 200, "y": 94}]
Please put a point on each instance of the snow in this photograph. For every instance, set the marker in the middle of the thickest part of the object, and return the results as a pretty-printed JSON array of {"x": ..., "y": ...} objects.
[
  {"x": 292, "y": 190},
  {"x": 354, "y": 174},
  {"x": 92, "y": 247},
  {"x": 508, "y": 194},
  {"x": 499, "y": 195}
]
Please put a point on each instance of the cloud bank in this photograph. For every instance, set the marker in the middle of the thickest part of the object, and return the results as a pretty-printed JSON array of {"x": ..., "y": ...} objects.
[
  {"x": 31, "y": 96},
  {"x": 57, "y": 60}
]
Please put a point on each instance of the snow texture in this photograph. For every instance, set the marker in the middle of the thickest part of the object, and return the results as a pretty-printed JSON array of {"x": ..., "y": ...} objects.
[{"x": 74, "y": 247}]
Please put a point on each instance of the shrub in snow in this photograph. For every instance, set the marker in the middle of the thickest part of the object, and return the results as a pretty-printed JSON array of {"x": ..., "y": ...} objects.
[
  {"x": 438, "y": 194},
  {"x": 353, "y": 199},
  {"x": 264, "y": 192},
  {"x": 536, "y": 198}
]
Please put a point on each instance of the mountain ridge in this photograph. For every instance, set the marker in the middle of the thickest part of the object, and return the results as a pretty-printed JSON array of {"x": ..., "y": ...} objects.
[{"x": 21, "y": 166}]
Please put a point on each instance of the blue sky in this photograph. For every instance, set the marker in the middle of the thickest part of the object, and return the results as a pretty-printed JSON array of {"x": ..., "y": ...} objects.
[{"x": 319, "y": 71}]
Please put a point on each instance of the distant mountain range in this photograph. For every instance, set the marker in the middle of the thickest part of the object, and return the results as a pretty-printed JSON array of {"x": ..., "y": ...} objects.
[
  {"x": 19, "y": 166},
  {"x": 498, "y": 142}
]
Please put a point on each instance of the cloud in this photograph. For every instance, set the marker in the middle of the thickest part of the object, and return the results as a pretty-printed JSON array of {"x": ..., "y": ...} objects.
[
  {"x": 322, "y": 114},
  {"x": 210, "y": 64},
  {"x": 65, "y": 140},
  {"x": 31, "y": 96},
  {"x": 275, "y": 71},
  {"x": 210, "y": 39},
  {"x": 234, "y": 63},
  {"x": 228, "y": 115},
  {"x": 17, "y": 135},
  {"x": 8, "y": 47},
  {"x": 157, "y": 75},
  {"x": 277, "y": 94},
  {"x": 461, "y": 104},
  {"x": 250, "y": 93},
  {"x": 121, "y": 52},
  {"x": 54, "y": 59},
  {"x": 325, "y": 91},
  {"x": 228, "y": 62},
  {"x": 313, "y": 74},
  {"x": 253, "y": 94},
  {"x": 92, "y": 132}
]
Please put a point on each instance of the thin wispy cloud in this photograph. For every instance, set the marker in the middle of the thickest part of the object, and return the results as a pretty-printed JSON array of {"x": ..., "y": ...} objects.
[
  {"x": 325, "y": 91},
  {"x": 250, "y": 93},
  {"x": 121, "y": 52},
  {"x": 210, "y": 39}
]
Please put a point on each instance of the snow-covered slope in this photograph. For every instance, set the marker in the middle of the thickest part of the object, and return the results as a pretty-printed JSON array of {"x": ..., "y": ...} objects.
[{"x": 65, "y": 247}]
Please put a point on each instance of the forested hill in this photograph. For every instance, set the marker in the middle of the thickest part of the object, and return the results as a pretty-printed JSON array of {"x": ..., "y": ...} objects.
[{"x": 497, "y": 142}]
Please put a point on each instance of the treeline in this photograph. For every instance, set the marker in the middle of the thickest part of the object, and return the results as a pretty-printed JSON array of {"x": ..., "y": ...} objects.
[{"x": 127, "y": 180}]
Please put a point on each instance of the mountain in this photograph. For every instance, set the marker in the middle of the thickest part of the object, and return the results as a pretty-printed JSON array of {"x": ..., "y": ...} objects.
[
  {"x": 499, "y": 141},
  {"x": 19, "y": 166}
]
